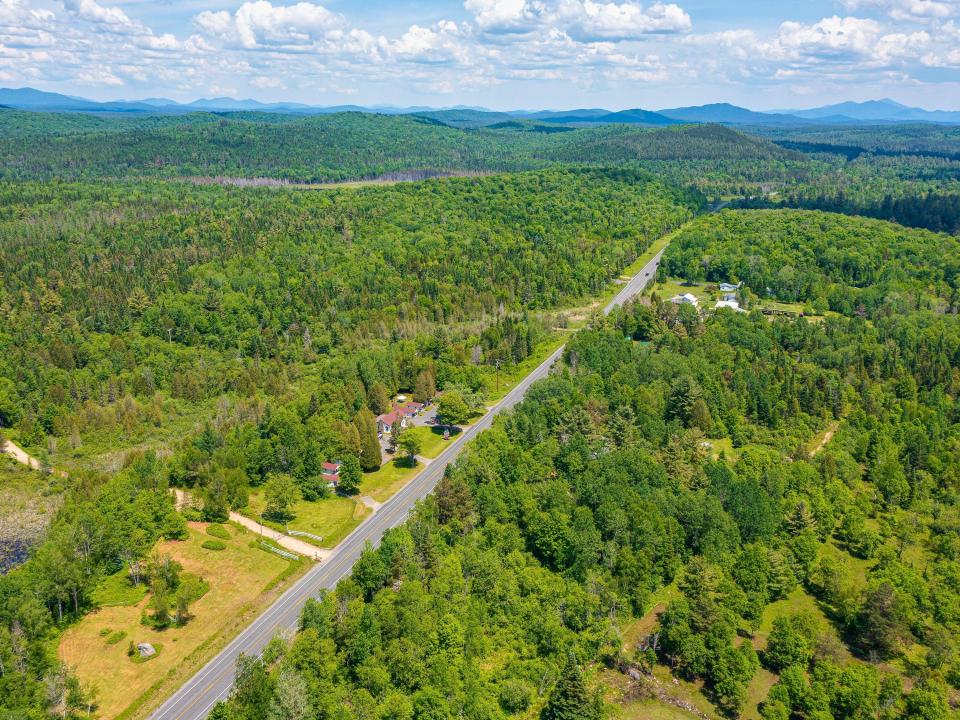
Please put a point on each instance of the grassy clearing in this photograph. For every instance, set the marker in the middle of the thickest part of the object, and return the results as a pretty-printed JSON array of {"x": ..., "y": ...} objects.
[
  {"x": 820, "y": 440},
  {"x": 242, "y": 579},
  {"x": 332, "y": 518},
  {"x": 757, "y": 692},
  {"x": 673, "y": 287},
  {"x": 858, "y": 568},
  {"x": 723, "y": 446},
  {"x": 634, "y": 703},
  {"x": 431, "y": 438},
  {"x": 382, "y": 484},
  {"x": 116, "y": 591},
  {"x": 105, "y": 450},
  {"x": 635, "y": 631}
]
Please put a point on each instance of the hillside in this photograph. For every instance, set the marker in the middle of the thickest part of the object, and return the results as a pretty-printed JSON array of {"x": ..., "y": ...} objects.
[
  {"x": 749, "y": 515},
  {"x": 342, "y": 146}
]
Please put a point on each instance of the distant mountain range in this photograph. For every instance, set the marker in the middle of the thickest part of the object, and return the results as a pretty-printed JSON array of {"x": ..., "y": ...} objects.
[
  {"x": 877, "y": 111},
  {"x": 871, "y": 112}
]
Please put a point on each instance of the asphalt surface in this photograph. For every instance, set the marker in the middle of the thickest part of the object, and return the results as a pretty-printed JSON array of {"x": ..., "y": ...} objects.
[{"x": 195, "y": 699}]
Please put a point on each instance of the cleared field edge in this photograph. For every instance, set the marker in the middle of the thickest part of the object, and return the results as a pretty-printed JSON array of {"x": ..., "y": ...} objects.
[{"x": 151, "y": 699}]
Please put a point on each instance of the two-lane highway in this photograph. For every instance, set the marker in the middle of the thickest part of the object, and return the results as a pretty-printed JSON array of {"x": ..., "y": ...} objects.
[{"x": 194, "y": 700}]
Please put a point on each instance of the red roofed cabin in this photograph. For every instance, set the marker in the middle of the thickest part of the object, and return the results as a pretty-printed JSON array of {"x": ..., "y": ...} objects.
[
  {"x": 330, "y": 471},
  {"x": 400, "y": 413}
]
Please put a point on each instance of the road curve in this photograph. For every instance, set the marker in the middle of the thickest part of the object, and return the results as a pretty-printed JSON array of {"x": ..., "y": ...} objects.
[{"x": 194, "y": 700}]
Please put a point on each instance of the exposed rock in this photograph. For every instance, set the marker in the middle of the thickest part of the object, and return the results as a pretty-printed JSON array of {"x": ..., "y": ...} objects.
[{"x": 146, "y": 650}]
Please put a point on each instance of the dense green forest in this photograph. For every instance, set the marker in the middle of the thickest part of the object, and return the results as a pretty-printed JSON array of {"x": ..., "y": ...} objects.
[
  {"x": 688, "y": 452},
  {"x": 764, "y": 509},
  {"x": 281, "y": 321},
  {"x": 936, "y": 140},
  {"x": 342, "y": 146},
  {"x": 118, "y": 292}
]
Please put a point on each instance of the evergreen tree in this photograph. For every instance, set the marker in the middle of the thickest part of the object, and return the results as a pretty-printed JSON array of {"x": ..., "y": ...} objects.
[
  {"x": 350, "y": 476},
  {"x": 366, "y": 425},
  {"x": 378, "y": 398},
  {"x": 570, "y": 699}
]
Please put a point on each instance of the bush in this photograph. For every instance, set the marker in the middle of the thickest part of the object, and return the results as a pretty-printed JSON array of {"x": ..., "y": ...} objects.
[
  {"x": 514, "y": 696},
  {"x": 116, "y": 637},
  {"x": 214, "y": 545},
  {"x": 218, "y": 531}
]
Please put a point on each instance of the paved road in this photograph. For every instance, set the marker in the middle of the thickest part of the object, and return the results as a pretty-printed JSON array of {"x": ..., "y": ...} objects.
[{"x": 212, "y": 683}]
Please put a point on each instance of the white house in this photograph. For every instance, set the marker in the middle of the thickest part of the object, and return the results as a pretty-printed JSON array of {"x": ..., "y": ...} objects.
[
  {"x": 732, "y": 304},
  {"x": 727, "y": 287},
  {"x": 685, "y": 299}
]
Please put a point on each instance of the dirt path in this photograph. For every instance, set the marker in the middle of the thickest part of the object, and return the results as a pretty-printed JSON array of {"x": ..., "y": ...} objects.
[
  {"x": 827, "y": 437},
  {"x": 22, "y": 457},
  {"x": 301, "y": 547}
]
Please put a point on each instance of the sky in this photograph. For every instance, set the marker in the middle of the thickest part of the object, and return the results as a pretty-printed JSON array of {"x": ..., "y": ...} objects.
[{"x": 499, "y": 54}]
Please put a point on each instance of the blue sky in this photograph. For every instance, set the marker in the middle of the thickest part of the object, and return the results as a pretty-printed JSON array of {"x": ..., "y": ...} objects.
[{"x": 500, "y": 54}]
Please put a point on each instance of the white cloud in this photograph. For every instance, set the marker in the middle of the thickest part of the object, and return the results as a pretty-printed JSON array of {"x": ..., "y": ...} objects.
[
  {"x": 111, "y": 19},
  {"x": 910, "y": 10},
  {"x": 218, "y": 23},
  {"x": 99, "y": 75},
  {"x": 444, "y": 42},
  {"x": 260, "y": 23},
  {"x": 158, "y": 42},
  {"x": 507, "y": 16},
  {"x": 950, "y": 58},
  {"x": 15, "y": 13},
  {"x": 612, "y": 21},
  {"x": 848, "y": 45},
  {"x": 585, "y": 20},
  {"x": 267, "y": 83},
  {"x": 830, "y": 37}
]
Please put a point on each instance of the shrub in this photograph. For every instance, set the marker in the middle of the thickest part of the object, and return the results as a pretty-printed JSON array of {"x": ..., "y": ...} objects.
[
  {"x": 218, "y": 531},
  {"x": 214, "y": 545},
  {"x": 116, "y": 637}
]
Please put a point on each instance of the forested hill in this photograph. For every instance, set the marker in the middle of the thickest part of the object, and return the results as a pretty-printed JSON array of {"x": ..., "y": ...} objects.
[
  {"x": 333, "y": 147},
  {"x": 197, "y": 287},
  {"x": 248, "y": 335},
  {"x": 762, "y": 507}
]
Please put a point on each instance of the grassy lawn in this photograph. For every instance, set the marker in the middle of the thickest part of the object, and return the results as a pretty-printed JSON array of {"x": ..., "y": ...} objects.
[
  {"x": 431, "y": 438},
  {"x": 117, "y": 591},
  {"x": 243, "y": 580},
  {"x": 385, "y": 482},
  {"x": 757, "y": 692},
  {"x": 725, "y": 447},
  {"x": 673, "y": 287},
  {"x": 820, "y": 440},
  {"x": 332, "y": 518}
]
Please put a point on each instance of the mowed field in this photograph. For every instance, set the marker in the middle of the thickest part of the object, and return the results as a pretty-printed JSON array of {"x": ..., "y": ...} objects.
[
  {"x": 332, "y": 518},
  {"x": 243, "y": 580}
]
